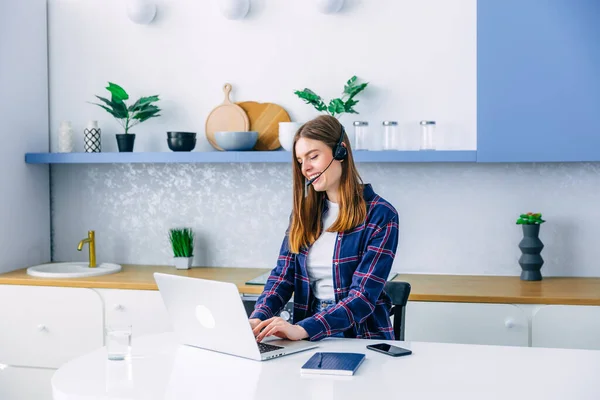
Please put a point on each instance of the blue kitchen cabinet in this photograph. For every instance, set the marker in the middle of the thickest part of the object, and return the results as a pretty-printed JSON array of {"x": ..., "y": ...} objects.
[{"x": 538, "y": 83}]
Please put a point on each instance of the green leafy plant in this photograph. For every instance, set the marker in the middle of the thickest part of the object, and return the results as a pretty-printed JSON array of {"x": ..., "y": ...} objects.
[
  {"x": 530, "y": 219},
  {"x": 182, "y": 242},
  {"x": 128, "y": 116},
  {"x": 344, "y": 104}
]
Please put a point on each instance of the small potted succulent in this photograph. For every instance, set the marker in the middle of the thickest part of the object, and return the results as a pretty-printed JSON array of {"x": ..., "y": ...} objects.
[
  {"x": 182, "y": 243},
  {"x": 531, "y": 246},
  {"x": 128, "y": 116}
]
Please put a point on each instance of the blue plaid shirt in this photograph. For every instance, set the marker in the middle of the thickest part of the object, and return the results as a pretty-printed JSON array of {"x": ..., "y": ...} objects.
[{"x": 362, "y": 260}]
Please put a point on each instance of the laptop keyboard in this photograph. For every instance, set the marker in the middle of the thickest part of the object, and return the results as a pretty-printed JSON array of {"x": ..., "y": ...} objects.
[{"x": 264, "y": 348}]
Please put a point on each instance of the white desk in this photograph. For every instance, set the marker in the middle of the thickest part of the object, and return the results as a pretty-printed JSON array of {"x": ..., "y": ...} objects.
[{"x": 161, "y": 369}]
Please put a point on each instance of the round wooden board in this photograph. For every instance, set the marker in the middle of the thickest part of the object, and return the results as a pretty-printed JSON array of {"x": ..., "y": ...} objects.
[
  {"x": 265, "y": 119},
  {"x": 226, "y": 117}
]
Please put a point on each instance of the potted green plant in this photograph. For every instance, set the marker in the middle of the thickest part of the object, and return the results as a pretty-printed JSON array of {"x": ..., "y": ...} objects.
[
  {"x": 531, "y": 246},
  {"x": 128, "y": 116},
  {"x": 338, "y": 106},
  {"x": 182, "y": 243}
]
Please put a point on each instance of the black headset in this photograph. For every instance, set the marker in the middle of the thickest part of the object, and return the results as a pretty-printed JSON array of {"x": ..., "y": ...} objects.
[{"x": 340, "y": 152}]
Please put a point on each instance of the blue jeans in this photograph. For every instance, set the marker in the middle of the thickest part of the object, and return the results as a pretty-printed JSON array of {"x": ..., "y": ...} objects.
[{"x": 320, "y": 305}]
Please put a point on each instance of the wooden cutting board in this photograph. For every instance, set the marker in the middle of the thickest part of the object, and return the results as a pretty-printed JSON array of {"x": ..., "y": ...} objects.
[
  {"x": 226, "y": 117},
  {"x": 265, "y": 119}
]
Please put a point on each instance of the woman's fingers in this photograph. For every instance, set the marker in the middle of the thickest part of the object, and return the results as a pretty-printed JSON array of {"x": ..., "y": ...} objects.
[
  {"x": 275, "y": 326},
  {"x": 260, "y": 326},
  {"x": 266, "y": 332},
  {"x": 271, "y": 330}
]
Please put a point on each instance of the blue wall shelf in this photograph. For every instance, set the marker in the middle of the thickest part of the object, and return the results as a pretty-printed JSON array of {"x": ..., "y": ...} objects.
[{"x": 242, "y": 157}]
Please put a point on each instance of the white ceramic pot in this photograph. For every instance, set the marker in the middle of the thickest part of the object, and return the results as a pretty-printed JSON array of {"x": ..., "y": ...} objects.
[
  {"x": 183, "y": 262},
  {"x": 66, "y": 141},
  {"x": 287, "y": 130}
]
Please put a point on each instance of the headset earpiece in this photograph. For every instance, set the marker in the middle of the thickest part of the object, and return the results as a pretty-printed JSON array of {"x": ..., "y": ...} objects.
[{"x": 339, "y": 151}]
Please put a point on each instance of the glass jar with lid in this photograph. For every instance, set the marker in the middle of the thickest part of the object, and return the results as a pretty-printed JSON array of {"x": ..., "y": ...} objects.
[
  {"x": 361, "y": 132},
  {"x": 391, "y": 135},
  {"x": 427, "y": 135}
]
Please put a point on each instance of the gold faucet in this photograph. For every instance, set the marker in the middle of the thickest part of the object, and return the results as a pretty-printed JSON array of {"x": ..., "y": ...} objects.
[{"x": 92, "y": 245}]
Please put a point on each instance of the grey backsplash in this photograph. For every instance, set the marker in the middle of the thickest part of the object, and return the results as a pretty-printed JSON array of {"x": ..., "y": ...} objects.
[{"x": 454, "y": 218}]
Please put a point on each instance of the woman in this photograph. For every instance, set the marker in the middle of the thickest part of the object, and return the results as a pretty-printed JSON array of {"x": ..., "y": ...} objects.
[{"x": 338, "y": 249}]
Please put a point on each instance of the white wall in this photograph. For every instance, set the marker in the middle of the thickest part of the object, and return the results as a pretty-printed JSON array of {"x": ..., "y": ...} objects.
[
  {"x": 24, "y": 189},
  {"x": 419, "y": 57}
]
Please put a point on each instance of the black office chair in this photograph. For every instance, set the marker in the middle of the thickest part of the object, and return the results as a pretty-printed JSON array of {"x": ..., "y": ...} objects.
[{"x": 398, "y": 292}]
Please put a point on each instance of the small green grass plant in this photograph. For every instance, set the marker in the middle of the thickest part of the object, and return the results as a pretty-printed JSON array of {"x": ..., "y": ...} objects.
[{"x": 182, "y": 242}]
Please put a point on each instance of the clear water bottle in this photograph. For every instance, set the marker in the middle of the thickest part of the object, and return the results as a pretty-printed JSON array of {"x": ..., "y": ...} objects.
[{"x": 427, "y": 135}]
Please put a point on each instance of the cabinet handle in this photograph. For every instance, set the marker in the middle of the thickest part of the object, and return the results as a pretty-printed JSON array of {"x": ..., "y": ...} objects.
[
  {"x": 119, "y": 307},
  {"x": 509, "y": 323},
  {"x": 42, "y": 328}
]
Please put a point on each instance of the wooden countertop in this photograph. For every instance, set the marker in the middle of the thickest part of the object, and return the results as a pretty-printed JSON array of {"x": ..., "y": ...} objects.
[
  {"x": 502, "y": 289},
  {"x": 140, "y": 277},
  {"x": 442, "y": 288}
]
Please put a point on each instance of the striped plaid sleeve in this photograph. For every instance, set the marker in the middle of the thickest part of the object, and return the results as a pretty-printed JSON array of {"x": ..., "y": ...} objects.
[
  {"x": 279, "y": 287},
  {"x": 368, "y": 282}
]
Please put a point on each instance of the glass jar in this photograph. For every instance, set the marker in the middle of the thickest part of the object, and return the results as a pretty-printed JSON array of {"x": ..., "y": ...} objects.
[
  {"x": 427, "y": 135},
  {"x": 361, "y": 130},
  {"x": 391, "y": 135}
]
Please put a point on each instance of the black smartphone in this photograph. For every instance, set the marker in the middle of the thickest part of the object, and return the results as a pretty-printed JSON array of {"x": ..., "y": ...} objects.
[{"x": 390, "y": 350}]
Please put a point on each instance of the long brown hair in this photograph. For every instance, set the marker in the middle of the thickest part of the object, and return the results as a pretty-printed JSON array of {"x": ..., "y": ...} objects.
[{"x": 306, "y": 226}]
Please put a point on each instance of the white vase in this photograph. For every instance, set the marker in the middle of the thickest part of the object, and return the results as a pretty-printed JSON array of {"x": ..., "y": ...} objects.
[
  {"x": 287, "y": 130},
  {"x": 66, "y": 141},
  {"x": 92, "y": 139},
  {"x": 183, "y": 262}
]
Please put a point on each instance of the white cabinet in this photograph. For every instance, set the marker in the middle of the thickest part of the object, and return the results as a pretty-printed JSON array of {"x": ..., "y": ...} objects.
[
  {"x": 474, "y": 323},
  {"x": 143, "y": 309},
  {"x": 575, "y": 327},
  {"x": 47, "y": 326},
  {"x": 18, "y": 383}
]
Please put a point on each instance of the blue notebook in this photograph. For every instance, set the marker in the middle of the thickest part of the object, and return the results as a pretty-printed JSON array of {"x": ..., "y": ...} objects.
[{"x": 333, "y": 363}]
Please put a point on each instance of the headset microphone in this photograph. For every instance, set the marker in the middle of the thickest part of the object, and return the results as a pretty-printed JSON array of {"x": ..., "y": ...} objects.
[{"x": 310, "y": 181}]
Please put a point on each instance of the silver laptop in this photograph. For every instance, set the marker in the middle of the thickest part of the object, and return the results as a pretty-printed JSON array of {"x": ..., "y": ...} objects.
[{"x": 211, "y": 315}]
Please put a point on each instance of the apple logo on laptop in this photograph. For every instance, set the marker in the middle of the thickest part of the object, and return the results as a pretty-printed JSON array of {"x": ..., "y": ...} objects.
[{"x": 205, "y": 317}]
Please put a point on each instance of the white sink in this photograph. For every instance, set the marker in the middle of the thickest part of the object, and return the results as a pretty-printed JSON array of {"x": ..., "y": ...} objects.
[{"x": 72, "y": 270}]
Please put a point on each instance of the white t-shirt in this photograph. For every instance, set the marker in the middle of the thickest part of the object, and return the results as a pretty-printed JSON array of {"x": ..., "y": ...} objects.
[{"x": 320, "y": 257}]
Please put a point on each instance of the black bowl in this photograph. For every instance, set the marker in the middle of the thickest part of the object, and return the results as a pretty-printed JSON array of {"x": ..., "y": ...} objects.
[
  {"x": 187, "y": 135},
  {"x": 181, "y": 144}
]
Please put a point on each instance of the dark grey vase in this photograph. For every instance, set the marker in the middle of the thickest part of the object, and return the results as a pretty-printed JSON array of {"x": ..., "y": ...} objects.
[{"x": 531, "y": 246}]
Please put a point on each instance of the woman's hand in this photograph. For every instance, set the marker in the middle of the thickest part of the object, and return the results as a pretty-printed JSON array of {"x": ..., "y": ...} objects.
[
  {"x": 279, "y": 327},
  {"x": 254, "y": 322}
]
